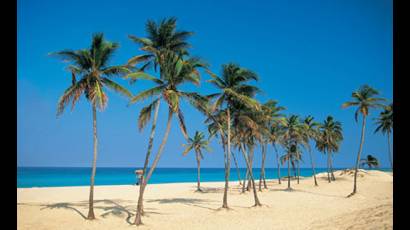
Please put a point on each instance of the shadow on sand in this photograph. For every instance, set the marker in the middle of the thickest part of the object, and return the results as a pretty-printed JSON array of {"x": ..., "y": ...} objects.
[
  {"x": 186, "y": 201},
  {"x": 109, "y": 207}
]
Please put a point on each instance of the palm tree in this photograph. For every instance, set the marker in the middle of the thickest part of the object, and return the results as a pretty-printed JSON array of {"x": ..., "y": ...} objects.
[
  {"x": 292, "y": 137},
  {"x": 270, "y": 117},
  {"x": 275, "y": 136},
  {"x": 161, "y": 38},
  {"x": 370, "y": 161},
  {"x": 233, "y": 90},
  {"x": 91, "y": 68},
  {"x": 175, "y": 71},
  {"x": 310, "y": 132},
  {"x": 246, "y": 131},
  {"x": 328, "y": 141},
  {"x": 197, "y": 143},
  {"x": 385, "y": 126},
  {"x": 364, "y": 99}
]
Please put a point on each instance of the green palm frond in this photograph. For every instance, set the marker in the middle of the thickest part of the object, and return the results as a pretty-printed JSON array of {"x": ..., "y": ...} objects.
[
  {"x": 116, "y": 87},
  {"x": 145, "y": 114},
  {"x": 147, "y": 93}
]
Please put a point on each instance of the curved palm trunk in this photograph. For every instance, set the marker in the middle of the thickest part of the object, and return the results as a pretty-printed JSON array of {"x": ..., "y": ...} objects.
[
  {"x": 251, "y": 153},
  {"x": 199, "y": 171},
  {"x": 277, "y": 160},
  {"x": 390, "y": 156},
  {"x": 358, "y": 156},
  {"x": 244, "y": 179},
  {"x": 91, "y": 215},
  {"x": 154, "y": 165},
  {"x": 255, "y": 195},
  {"x": 313, "y": 166},
  {"x": 149, "y": 150},
  {"x": 328, "y": 167},
  {"x": 237, "y": 168},
  {"x": 331, "y": 169},
  {"x": 228, "y": 160},
  {"x": 262, "y": 175}
]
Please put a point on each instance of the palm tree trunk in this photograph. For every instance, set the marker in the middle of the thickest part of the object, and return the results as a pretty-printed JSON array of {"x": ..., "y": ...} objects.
[
  {"x": 331, "y": 169},
  {"x": 277, "y": 160},
  {"x": 154, "y": 165},
  {"x": 255, "y": 195},
  {"x": 237, "y": 168},
  {"x": 328, "y": 167},
  {"x": 313, "y": 166},
  {"x": 149, "y": 150},
  {"x": 244, "y": 179},
  {"x": 228, "y": 160},
  {"x": 251, "y": 153},
  {"x": 289, "y": 188},
  {"x": 262, "y": 175},
  {"x": 199, "y": 171},
  {"x": 390, "y": 156},
  {"x": 297, "y": 162},
  {"x": 91, "y": 215},
  {"x": 358, "y": 156}
]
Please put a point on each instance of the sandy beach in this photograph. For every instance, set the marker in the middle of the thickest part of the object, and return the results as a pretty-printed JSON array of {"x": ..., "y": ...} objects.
[{"x": 178, "y": 206}]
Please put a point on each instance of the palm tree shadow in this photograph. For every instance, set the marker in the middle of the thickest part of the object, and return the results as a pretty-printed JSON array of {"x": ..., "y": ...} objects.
[
  {"x": 186, "y": 201},
  {"x": 64, "y": 205},
  {"x": 112, "y": 207},
  {"x": 320, "y": 194}
]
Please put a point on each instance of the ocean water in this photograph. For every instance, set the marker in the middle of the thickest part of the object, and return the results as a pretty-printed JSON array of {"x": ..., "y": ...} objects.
[{"x": 28, "y": 177}]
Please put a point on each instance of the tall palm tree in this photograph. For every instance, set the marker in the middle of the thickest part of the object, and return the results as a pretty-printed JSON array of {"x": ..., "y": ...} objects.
[
  {"x": 310, "y": 132},
  {"x": 328, "y": 140},
  {"x": 364, "y": 99},
  {"x": 385, "y": 126},
  {"x": 370, "y": 161},
  {"x": 292, "y": 137},
  {"x": 91, "y": 67},
  {"x": 233, "y": 90},
  {"x": 197, "y": 143},
  {"x": 175, "y": 71}
]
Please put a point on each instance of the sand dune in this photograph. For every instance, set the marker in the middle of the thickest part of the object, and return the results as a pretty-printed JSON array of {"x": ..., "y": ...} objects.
[{"x": 178, "y": 206}]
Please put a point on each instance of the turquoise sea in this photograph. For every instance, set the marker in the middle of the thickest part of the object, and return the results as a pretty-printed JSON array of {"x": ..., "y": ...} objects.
[{"x": 28, "y": 177}]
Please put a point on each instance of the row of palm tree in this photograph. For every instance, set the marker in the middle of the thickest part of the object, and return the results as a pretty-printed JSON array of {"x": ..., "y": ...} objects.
[{"x": 232, "y": 114}]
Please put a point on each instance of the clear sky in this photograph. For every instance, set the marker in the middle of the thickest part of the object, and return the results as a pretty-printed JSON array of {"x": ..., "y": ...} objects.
[{"x": 310, "y": 56}]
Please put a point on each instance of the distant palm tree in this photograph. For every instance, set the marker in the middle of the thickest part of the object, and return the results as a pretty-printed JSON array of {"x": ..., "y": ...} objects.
[
  {"x": 197, "y": 143},
  {"x": 370, "y": 161},
  {"x": 276, "y": 135},
  {"x": 272, "y": 118},
  {"x": 94, "y": 73},
  {"x": 245, "y": 133},
  {"x": 328, "y": 141},
  {"x": 385, "y": 125},
  {"x": 292, "y": 137},
  {"x": 365, "y": 99},
  {"x": 310, "y": 133},
  {"x": 233, "y": 90}
]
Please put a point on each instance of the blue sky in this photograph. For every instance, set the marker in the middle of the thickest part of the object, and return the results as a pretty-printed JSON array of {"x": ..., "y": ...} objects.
[{"x": 310, "y": 56}]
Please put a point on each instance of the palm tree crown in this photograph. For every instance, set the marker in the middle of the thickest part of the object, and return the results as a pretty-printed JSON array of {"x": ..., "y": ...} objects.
[
  {"x": 90, "y": 67},
  {"x": 364, "y": 98}
]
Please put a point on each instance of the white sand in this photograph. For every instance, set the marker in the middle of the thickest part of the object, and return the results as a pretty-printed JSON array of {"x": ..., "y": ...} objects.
[{"x": 177, "y": 206}]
